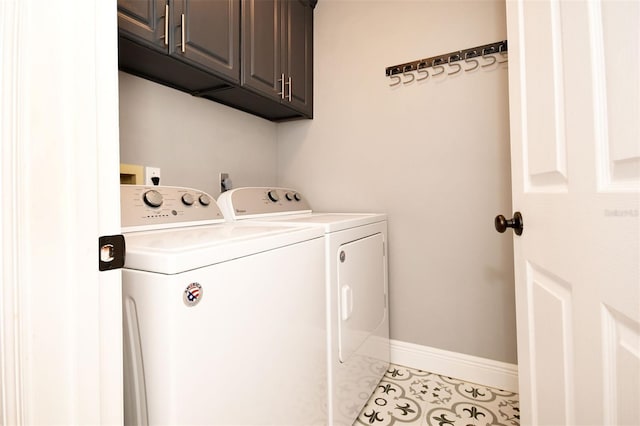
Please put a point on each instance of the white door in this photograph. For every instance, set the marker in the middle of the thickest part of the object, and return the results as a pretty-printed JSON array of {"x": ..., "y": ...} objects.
[
  {"x": 60, "y": 318},
  {"x": 575, "y": 128}
]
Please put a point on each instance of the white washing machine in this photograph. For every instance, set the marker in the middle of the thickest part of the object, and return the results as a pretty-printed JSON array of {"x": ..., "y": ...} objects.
[
  {"x": 224, "y": 323},
  {"x": 356, "y": 283}
]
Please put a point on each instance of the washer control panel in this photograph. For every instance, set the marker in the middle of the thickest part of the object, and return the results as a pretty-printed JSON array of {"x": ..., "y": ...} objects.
[
  {"x": 244, "y": 203},
  {"x": 156, "y": 207}
]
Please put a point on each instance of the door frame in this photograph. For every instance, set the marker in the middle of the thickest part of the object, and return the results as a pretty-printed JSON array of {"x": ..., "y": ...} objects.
[{"x": 60, "y": 327}]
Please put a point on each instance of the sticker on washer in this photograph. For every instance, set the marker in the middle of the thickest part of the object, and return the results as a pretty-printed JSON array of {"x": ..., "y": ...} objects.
[{"x": 192, "y": 294}]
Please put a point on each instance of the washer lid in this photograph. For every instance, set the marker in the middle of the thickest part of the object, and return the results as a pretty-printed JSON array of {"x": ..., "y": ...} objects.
[
  {"x": 330, "y": 222},
  {"x": 171, "y": 251}
]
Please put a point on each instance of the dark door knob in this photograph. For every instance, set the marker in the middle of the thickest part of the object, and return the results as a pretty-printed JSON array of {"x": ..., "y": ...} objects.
[{"x": 516, "y": 223}]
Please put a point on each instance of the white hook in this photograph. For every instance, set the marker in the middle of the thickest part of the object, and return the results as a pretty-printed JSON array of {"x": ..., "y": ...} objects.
[
  {"x": 422, "y": 70},
  {"x": 404, "y": 73},
  {"x": 503, "y": 54},
  {"x": 468, "y": 61},
  {"x": 457, "y": 65},
  {"x": 396, "y": 78},
  {"x": 487, "y": 57},
  {"x": 433, "y": 64}
]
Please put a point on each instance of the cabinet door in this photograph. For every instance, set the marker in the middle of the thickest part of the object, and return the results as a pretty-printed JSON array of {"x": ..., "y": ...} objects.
[
  {"x": 298, "y": 54},
  {"x": 261, "y": 45},
  {"x": 144, "y": 21},
  {"x": 206, "y": 34}
]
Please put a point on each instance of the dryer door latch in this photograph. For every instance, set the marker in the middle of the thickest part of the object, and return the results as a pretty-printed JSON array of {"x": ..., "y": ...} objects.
[{"x": 111, "y": 252}]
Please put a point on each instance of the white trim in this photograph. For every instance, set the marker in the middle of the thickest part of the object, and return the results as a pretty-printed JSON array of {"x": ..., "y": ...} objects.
[
  {"x": 108, "y": 198},
  {"x": 496, "y": 374},
  {"x": 11, "y": 380}
]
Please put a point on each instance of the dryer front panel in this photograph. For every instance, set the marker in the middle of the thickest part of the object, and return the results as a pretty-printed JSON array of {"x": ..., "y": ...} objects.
[{"x": 361, "y": 292}]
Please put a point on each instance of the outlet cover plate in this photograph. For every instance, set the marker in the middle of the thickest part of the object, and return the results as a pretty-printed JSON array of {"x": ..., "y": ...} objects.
[{"x": 151, "y": 172}]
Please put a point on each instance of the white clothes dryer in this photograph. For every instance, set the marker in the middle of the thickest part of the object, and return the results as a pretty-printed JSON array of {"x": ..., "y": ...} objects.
[
  {"x": 224, "y": 323},
  {"x": 356, "y": 284}
]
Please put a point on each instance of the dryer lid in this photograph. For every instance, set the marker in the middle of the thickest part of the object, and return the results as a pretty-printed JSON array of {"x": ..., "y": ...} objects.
[{"x": 330, "y": 222}]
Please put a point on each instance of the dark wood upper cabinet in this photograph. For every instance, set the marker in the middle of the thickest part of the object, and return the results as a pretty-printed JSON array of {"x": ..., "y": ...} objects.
[
  {"x": 277, "y": 46},
  {"x": 203, "y": 33},
  {"x": 144, "y": 20},
  {"x": 206, "y": 33},
  {"x": 261, "y": 46},
  {"x": 254, "y": 55},
  {"x": 298, "y": 54}
]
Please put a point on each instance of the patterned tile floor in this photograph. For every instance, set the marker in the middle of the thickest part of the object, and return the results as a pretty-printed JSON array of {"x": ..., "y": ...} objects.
[{"x": 406, "y": 396}]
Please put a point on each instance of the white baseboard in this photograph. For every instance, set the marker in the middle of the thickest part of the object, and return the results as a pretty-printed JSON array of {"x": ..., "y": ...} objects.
[{"x": 496, "y": 374}]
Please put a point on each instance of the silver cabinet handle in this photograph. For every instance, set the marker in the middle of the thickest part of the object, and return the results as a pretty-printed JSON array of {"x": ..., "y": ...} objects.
[
  {"x": 281, "y": 80},
  {"x": 290, "y": 88},
  {"x": 166, "y": 25},
  {"x": 182, "y": 47}
]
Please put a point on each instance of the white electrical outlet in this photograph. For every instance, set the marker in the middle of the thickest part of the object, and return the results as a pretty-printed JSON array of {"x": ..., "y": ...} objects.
[{"x": 150, "y": 173}]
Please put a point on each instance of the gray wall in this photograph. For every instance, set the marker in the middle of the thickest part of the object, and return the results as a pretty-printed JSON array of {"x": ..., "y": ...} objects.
[
  {"x": 434, "y": 155},
  {"x": 192, "y": 140}
]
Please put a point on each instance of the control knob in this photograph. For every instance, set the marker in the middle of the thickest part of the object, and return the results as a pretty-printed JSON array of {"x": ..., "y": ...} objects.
[
  {"x": 293, "y": 196},
  {"x": 273, "y": 195},
  {"x": 187, "y": 199},
  {"x": 204, "y": 200},
  {"x": 152, "y": 198}
]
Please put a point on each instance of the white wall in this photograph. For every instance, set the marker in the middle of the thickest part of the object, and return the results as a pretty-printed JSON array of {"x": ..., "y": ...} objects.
[
  {"x": 193, "y": 140},
  {"x": 433, "y": 155}
]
